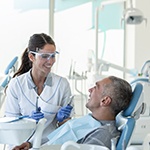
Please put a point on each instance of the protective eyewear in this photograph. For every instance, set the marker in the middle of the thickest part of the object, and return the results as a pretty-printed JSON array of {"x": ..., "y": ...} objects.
[{"x": 45, "y": 55}]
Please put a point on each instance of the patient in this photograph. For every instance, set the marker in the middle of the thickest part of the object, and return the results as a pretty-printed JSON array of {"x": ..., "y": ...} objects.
[{"x": 106, "y": 99}]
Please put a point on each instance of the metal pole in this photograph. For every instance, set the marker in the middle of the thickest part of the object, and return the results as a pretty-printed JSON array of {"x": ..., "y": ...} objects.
[
  {"x": 96, "y": 40},
  {"x": 51, "y": 17}
]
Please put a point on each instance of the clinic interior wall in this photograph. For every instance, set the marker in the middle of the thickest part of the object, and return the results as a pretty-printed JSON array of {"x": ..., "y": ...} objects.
[
  {"x": 142, "y": 40},
  {"x": 137, "y": 43},
  {"x": 136, "y": 37}
]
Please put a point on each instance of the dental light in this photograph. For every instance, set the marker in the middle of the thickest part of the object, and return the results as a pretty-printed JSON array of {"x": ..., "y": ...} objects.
[{"x": 133, "y": 16}]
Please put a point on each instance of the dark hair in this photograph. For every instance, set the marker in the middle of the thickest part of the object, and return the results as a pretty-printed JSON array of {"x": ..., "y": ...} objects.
[
  {"x": 36, "y": 42},
  {"x": 120, "y": 92}
]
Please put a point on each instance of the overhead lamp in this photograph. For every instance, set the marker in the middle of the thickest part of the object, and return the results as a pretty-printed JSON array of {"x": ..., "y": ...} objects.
[{"x": 133, "y": 16}]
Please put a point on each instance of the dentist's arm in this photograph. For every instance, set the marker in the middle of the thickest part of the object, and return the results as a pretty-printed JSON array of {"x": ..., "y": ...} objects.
[{"x": 23, "y": 146}]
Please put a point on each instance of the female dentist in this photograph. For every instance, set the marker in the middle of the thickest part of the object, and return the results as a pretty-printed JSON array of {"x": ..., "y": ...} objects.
[{"x": 35, "y": 90}]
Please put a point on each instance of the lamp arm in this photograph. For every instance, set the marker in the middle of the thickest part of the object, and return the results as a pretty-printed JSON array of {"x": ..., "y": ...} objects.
[
  {"x": 106, "y": 2},
  {"x": 123, "y": 69}
]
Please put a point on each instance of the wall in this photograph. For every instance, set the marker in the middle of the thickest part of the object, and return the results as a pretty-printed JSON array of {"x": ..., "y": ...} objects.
[
  {"x": 142, "y": 35},
  {"x": 137, "y": 38}
]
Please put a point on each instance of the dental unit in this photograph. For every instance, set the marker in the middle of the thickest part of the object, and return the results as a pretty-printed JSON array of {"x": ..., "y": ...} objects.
[{"x": 15, "y": 131}]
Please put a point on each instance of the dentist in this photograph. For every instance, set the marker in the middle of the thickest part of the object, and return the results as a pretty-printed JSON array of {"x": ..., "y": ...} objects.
[{"x": 34, "y": 84}]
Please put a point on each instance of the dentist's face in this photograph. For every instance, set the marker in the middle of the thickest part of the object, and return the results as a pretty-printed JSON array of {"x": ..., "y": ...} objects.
[{"x": 41, "y": 63}]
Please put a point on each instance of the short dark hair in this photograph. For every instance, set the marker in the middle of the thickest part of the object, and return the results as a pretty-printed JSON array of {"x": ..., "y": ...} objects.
[{"x": 120, "y": 92}]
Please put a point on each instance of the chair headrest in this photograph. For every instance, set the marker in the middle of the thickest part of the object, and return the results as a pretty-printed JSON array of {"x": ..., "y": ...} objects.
[
  {"x": 136, "y": 94},
  {"x": 5, "y": 82},
  {"x": 141, "y": 79},
  {"x": 11, "y": 64}
]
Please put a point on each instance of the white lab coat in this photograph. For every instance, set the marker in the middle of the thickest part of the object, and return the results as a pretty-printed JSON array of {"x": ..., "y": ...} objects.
[{"x": 21, "y": 98}]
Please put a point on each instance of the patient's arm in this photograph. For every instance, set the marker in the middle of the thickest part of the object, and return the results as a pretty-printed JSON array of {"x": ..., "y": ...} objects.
[{"x": 23, "y": 146}]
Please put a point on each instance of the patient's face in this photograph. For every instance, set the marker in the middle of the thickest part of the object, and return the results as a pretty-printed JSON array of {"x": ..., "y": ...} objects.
[{"x": 96, "y": 94}]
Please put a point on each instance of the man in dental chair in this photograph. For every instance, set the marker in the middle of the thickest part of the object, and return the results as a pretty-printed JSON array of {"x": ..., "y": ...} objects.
[{"x": 106, "y": 99}]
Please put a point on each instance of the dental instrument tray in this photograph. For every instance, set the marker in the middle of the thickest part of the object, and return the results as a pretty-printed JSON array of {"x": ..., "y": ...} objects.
[{"x": 14, "y": 130}]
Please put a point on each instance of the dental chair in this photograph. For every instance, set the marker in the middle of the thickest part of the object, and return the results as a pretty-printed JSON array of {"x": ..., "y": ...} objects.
[
  {"x": 126, "y": 121},
  {"x": 8, "y": 73},
  {"x": 12, "y": 66}
]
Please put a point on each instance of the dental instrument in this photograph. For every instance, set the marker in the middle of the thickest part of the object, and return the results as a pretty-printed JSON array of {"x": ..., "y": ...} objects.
[
  {"x": 79, "y": 85},
  {"x": 36, "y": 107},
  {"x": 17, "y": 119},
  {"x": 36, "y": 122},
  {"x": 64, "y": 112},
  {"x": 71, "y": 99},
  {"x": 37, "y": 114}
]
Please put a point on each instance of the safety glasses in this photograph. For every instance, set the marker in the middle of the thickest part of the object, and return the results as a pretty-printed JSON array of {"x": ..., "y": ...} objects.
[{"x": 46, "y": 56}]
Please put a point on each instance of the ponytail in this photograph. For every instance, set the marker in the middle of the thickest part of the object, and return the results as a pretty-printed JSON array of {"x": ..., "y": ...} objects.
[{"x": 26, "y": 64}]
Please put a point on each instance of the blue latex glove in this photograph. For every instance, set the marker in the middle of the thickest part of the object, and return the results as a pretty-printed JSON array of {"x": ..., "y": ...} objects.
[
  {"x": 37, "y": 115},
  {"x": 64, "y": 113}
]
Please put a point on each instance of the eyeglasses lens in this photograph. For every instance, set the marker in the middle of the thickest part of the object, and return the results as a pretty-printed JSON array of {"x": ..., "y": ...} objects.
[{"x": 47, "y": 56}]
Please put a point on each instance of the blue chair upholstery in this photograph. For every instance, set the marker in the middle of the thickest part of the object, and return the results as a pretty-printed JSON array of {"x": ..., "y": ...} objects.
[
  {"x": 5, "y": 82},
  {"x": 11, "y": 65},
  {"x": 9, "y": 72},
  {"x": 126, "y": 119},
  {"x": 137, "y": 91},
  {"x": 9, "y": 69}
]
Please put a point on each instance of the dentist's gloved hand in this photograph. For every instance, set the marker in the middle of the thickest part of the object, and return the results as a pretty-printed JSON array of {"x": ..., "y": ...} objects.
[
  {"x": 37, "y": 115},
  {"x": 64, "y": 113}
]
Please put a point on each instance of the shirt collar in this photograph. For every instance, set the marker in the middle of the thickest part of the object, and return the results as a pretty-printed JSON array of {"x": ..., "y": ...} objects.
[{"x": 48, "y": 80}]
